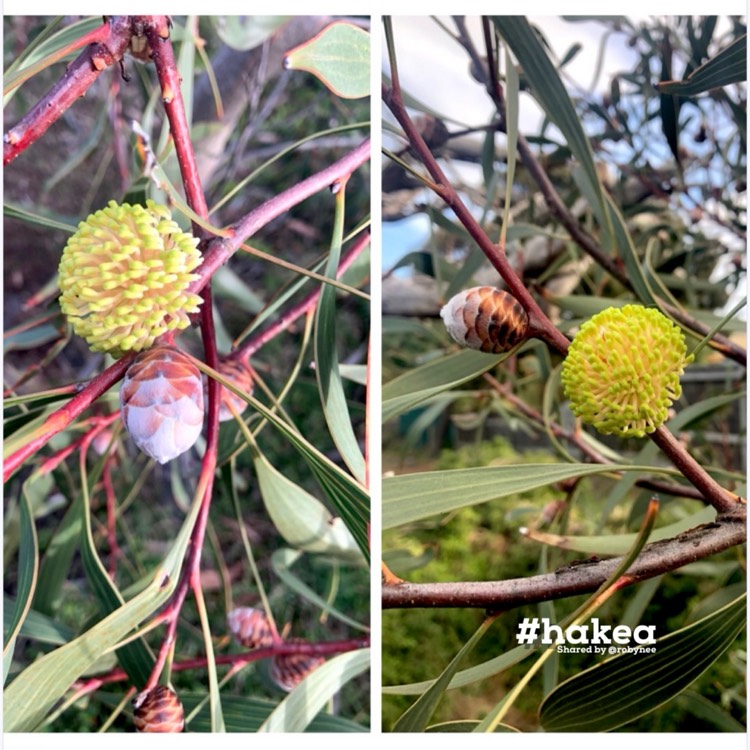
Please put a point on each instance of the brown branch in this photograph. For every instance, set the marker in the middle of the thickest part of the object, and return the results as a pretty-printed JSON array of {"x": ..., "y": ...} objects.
[{"x": 575, "y": 579}]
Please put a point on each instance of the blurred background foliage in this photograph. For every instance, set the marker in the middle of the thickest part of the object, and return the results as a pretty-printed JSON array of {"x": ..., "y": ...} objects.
[
  {"x": 286, "y": 125},
  {"x": 675, "y": 167}
]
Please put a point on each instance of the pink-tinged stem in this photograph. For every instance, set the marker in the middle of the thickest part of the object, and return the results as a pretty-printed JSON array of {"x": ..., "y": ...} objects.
[
  {"x": 252, "y": 345},
  {"x": 219, "y": 250},
  {"x": 66, "y": 414},
  {"x": 111, "y": 41}
]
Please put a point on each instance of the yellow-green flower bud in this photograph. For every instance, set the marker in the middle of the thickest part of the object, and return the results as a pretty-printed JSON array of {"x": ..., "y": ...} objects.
[
  {"x": 123, "y": 277},
  {"x": 623, "y": 369}
]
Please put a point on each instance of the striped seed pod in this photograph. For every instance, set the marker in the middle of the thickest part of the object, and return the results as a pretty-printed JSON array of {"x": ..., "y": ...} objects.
[
  {"x": 158, "y": 710},
  {"x": 161, "y": 402},
  {"x": 486, "y": 319},
  {"x": 241, "y": 376},
  {"x": 288, "y": 670},
  {"x": 250, "y": 627}
]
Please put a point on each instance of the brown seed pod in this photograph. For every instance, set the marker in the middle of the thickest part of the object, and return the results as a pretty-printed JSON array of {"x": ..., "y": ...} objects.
[
  {"x": 240, "y": 375},
  {"x": 161, "y": 402},
  {"x": 250, "y": 627},
  {"x": 486, "y": 319},
  {"x": 158, "y": 710},
  {"x": 288, "y": 670}
]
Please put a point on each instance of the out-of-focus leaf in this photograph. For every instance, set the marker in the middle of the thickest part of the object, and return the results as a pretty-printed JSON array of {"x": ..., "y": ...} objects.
[
  {"x": 247, "y": 714},
  {"x": 246, "y": 32},
  {"x": 36, "y": 626},
  {"x": 22, "y": 214},
  {"x": 727, "y": 67},
  {"x": 630, "y": 685},
  {"x": 411, "y": 497},
  {"x": 550, "y": 92},
  {"x": 464, "y": 726},
  {"x": 282, "y": 561},
  {"x": 302, "y": 705},
  {"x": 619, "y": 544},
  {"x": 28, "y": 568},
  {"x": 419, "y": 384},
  {"x": 339, "y": 56}
]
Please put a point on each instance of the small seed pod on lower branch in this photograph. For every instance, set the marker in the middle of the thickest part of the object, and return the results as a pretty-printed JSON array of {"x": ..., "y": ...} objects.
[
  {"x": 486, "y": 319},
  {"x": 158, "y": 710},
  {"x": 250, "y": 627},
  {"x": 241, "y": 376},
  {"x": 161, "y": 402},
  {"x": 288, "y": 670}
]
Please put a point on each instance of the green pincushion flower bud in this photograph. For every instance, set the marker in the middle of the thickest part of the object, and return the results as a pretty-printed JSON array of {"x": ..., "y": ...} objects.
[
  {"x": 623, "y": 369},
  {"x": 124, "y": 275}
]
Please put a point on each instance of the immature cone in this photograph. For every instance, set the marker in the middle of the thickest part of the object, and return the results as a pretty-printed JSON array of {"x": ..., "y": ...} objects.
[
  {"x": 486, "y": 319},
  {"x": 158, "y": 710},
  {"x": 124, "y": 275},
  {"x": 288, "y": 670},
  {"x": 250, "y": 627},
  {"x": 240, "y": 375},
  {"x": 161, "y": 402},
  {"x": 622, "y": 371}
]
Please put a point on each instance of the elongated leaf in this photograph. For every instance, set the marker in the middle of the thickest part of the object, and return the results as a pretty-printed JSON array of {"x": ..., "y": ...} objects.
[
  {"x": 630, "y": 685},
  {"x": 349, "y": 498},
  {"x": 549, "y": 91},
  {"x": 36, "y": 626},
  {"x": 412, "y": 497},
  {"x": 331, "y": 389},
  {"x": 28, "y": 569},
  {"x": 247, "y": 714},
  {"x": 302, "y": 705},
  {"x": 727, "y": 67},
  {"x": 282, "y": 561},
  {"x": 619, "y": 544},
  {"x": 33, "y": 693},
  {"x": 339, "y": 56},
  {"x": 417, "y": 385},
  {"x": 416, "y": 717},
  {"x": 303, "y": 521},
  {"x": 23, "y": 214}
]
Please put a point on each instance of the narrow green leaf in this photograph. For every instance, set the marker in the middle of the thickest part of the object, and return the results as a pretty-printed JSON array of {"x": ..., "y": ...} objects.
[
  {"x": 415, "y": 718},
  {"x": 36, "y": 690},
  {"x": 302, "y": 520},
  {"x": 339, "y": 56},
  {"x": 331, "y": 389},
  {"x": 302, "y": 705},
  {"x": 349, "y": 498},
  {"x": 419, "y": 384},
  {"x": 630, "y": 685},
  {"x": 36, "y": 626},
  {"x": 57, "y": 558},
  {"x": 247, "y": 714},
  {"x": 619, "y": 544},
  {"x": 725, "y": 68},
  {"x": 549, "y": 90},
  {"x": 28, "y": 569},
  {"x": 12, "y": 211},
  {"x": 282, "y": 561},
  {"x": 411, "y": 497}
]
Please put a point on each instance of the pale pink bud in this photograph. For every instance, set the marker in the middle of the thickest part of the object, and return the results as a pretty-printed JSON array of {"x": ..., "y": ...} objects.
[{"x": 161, "y": 402}]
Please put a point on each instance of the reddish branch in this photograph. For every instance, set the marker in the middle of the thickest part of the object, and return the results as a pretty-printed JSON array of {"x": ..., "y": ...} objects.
[
  {"x": 577, "y": 578},
  {"x": 115, "y": 37},
  {"x": 326, "y": 648}
]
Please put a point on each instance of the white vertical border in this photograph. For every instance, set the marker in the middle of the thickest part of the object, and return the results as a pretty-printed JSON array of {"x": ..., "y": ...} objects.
[{"x": 376, "y": 371}]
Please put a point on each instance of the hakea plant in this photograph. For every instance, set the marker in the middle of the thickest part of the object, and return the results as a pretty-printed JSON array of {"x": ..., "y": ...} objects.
[
  {"x": 622, "y": 371},
  {"x": 124, "y": 276},
  {"x": 158, "y": 710}
]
